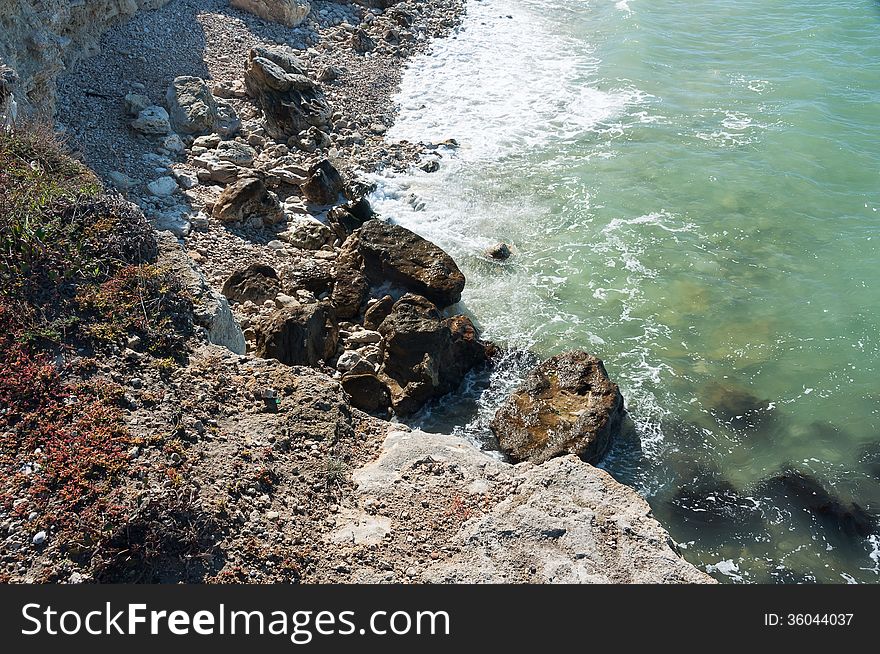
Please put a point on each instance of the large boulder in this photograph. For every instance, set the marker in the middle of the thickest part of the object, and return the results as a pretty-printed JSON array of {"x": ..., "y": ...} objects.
[
  {"x": 350, "y": 288},
  {"x": 248, "y": 201},
  {"x": 567, "y": 405},
  {"x": 298, "y": 335},
  {"x": 291, "y": 102},
  {"x": 426, "y": 356},
  {"x": 191, "y": 105},
  {"x": 287, "y": 12},
  {"x": 392, "y": 253},
  {"x": 257, "y": 283},
  {"x": 324, "y": 183}
]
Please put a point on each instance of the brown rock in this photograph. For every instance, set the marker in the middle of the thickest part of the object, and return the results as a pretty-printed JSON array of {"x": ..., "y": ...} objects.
[
  {"x": 377, "y": 312},
  {"x": 248, "y": 200},
  {"x": 567, "y": 405},
  {"x": 348, "y": 217},
  {"x": 257, "y": 283},
  {"x": 425, "y": 355},
  {"x": 324, "y": 183},
  {"x": 298, "y": 335},
  {"x": 394, "y": 254},
  {"x": 350, "y": 288},
  {"x": 368, "y": 393}
]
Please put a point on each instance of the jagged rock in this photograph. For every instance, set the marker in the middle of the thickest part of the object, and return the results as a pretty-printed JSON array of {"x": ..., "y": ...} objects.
[
  {"x": 350, "y": 287},
  {"x": 212, "y": 169},
  {"x": 248, "y": 200},
  {"x": 378, "y": 311},
  {"x": 287, "y": 12},
  {"x": 210, "y": 309},
  {"x": 348, "y": 217},
  {"x": 152, "y": 121},
  {"x": 191, "y": 105},
  {"x": 426, "y": 356},
  {"x": 307, "y": 233},
  {"x": 257, "y": 283},
  {"x": 8, "y": 105},
  {"x": 567, "y": 405},
  {"x": 228, "y": 124},
  {"x": 561, "y": 522},
  {"x": 367, "y": 392},
  {"x": 392, "y": 253},
  {"x": 324, "y": 183},
  {"x": 361, "y": 41},
  {"x": 290, "y": 101},
  {"x": 298, "y": 335}
]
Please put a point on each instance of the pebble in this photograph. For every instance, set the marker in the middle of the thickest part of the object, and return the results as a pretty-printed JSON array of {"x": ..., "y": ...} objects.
[{"x": 40, "y": 538}]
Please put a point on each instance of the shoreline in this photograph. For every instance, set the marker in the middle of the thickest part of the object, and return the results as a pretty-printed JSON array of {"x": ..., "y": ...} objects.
[{"x": 307, "y": 487}]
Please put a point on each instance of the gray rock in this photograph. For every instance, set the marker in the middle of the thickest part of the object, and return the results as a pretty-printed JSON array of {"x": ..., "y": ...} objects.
[
  {"x": 192, "y": 106},
  {"x": 553, "y": 523},
  {"x": 40, "y": 538},
  {"x": 290, "y": 13},
  {"x": 163, "y": 186},
  {"x": 136, "y": 103},
  {"x": 307, "y": 233},
  {"x": 153, "y": 121}
]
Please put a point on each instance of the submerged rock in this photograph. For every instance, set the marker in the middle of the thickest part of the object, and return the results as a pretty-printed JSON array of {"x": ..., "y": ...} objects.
[
  {"x": 567, "y": 405},
  {"x": 298, "y": 335},
  {"x": 426, "y": 356},
  {"x": 847, "y": 517},
  {"x": 499, "y": 252},
  {"x": 392, "y": 253},
  {"x": 257, "y": 283},
  {"x": 290, "y": 101}
]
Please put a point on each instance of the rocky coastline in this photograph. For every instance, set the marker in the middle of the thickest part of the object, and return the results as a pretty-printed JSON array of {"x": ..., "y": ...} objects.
[{"x": 241, "y": 133}]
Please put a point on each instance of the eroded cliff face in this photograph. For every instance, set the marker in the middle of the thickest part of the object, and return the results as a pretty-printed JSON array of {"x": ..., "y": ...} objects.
[{"x": 40, "y": 38}]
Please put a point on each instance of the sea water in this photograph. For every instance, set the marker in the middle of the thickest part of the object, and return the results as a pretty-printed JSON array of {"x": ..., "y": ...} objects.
[{"x": 691, "y": 190}]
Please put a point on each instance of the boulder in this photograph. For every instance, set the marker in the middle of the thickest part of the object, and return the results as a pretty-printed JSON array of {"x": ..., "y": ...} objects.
[
  {"x": 191, "y": 105},
  {"x": 287, "y": 12},
  {"x": 361, "y": 41},
  {"x": 348, "y": 217},
  {"x": 298, "y": 335},
  {"x": 567, "y": 405},
  {"x": 257, "y": 283},
  {"x": 248, "y": 200},
  {"x": 152, "y": 121},
  {"x": 291, "y": 102},
  {"x": 367, "y": 392},
  {"x": 350, "y": 287},
  {"x": 426, "y": 356},
  {"x": 324, "y": 183},
  {"x": 392, "y": 253},
  {"x": 237, "y": 153}
]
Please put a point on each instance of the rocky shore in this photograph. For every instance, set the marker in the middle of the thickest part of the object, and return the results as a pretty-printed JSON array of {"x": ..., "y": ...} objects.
[{"x": 264, "y": 453}]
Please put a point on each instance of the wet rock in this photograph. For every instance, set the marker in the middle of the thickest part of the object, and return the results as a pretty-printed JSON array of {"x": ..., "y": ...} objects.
[
  {"x": 709, "y": 500},
  {"x": 567, "y": 405},
  {"x": 392, "y": 253},
  {"x": 426, "y": 356},
  {"x": 324, "y": 183},
  {"x": 191, "y": 105},
  {"x": 846, "y": 517},
  {"x": 257, "y": 283},
  {"x": 367, "y": 392},
  {"x": 287, "y": 12},
  {"x": 298, "y": 335},
  {"x": 348, "y": 217},
  {"x": 499, "y": 252},
  {"x": 737, "y": 407},
  {"x": 378, "y": 311},
  {"x": 152, "y": 121},
  {"x": 290, "y": 101},
  {"x": 248, "y": 201}
]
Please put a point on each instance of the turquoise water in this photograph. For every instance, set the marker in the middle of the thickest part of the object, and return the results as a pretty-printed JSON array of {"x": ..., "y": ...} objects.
[{"x": 692, "y": 191}]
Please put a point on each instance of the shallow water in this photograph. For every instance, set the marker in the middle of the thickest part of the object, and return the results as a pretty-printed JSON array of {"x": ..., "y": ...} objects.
[{"x": 691, "y": 189}]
